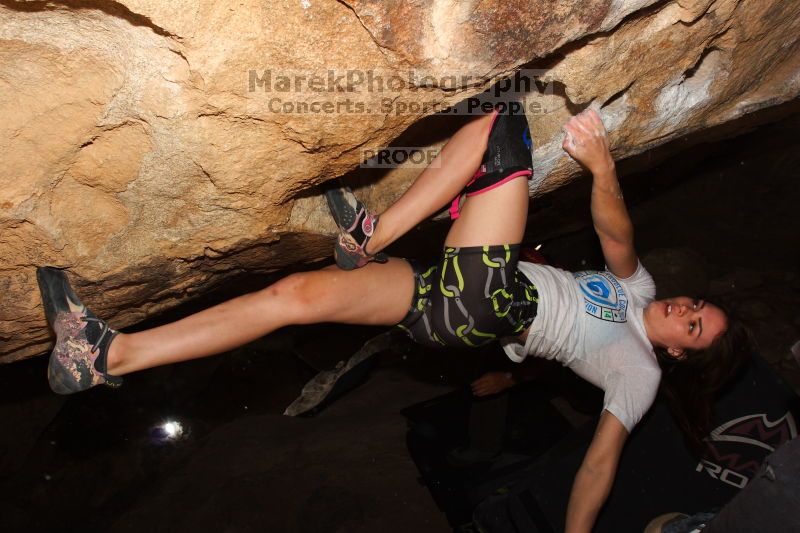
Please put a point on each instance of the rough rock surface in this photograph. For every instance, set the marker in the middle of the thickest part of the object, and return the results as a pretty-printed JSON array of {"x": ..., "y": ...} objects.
[{"x": 147, "y": 150}]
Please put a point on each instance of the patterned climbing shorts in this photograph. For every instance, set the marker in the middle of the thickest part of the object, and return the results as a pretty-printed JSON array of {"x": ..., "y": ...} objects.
[{"x": 472, "y": 297}]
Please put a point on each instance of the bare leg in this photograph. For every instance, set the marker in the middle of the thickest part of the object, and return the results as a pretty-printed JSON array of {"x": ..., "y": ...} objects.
[
  {"x": 438, "y": 184},
  {"x": 497, "y": 216},
  {"x": 373, "y": 295}
]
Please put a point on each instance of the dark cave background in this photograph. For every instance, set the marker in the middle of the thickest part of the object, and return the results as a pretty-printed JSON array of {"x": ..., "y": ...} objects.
[{"x": 713, "y": 218}]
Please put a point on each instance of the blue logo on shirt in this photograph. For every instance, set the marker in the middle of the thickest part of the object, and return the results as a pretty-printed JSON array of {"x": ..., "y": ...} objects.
[
  {"x": 603, "y": 295},
  {"x": 598, "y": 288}
]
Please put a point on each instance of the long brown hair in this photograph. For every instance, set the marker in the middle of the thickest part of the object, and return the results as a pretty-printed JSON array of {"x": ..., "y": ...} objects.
[{"x": 690, "y": 384}]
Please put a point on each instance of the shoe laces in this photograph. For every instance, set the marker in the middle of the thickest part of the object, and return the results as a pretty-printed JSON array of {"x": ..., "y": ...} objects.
[{"x": 103, "y": 332}]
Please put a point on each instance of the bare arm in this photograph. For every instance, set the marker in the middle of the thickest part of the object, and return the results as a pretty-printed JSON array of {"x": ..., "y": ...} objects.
[
  {"x": 495, "y": 382},
  {"x": 596, "y": 474},
  {"x": 586, "y": 141}
]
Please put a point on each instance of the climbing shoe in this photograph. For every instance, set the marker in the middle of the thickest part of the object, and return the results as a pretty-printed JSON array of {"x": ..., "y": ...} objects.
[
  {"x": 79, "y": 358},
  {"x": 356, "y": 227}
]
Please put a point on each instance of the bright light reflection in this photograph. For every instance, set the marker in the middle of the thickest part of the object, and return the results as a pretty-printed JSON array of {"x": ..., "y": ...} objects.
[{"x": 172, "y": 429}]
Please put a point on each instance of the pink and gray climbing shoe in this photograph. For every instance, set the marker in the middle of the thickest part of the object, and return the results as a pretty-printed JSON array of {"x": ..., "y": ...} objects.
[
  {"x": 79, "y": 358},
  {"x": 356, "y": 227}
]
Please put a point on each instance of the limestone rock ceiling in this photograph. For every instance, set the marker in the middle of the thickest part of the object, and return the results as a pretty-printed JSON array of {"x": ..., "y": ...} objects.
[{"x": 154, "y": 148}]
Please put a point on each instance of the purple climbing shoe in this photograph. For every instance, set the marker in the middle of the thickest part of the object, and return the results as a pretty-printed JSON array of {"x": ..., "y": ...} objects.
[{"x": 79, "y": 358}]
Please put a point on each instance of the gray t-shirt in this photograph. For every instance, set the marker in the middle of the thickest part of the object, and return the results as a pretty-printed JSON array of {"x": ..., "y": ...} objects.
[{"x": 592, "y": 322}]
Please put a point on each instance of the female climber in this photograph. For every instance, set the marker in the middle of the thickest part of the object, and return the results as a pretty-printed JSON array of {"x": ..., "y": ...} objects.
[{"x": 603, "y": 325}]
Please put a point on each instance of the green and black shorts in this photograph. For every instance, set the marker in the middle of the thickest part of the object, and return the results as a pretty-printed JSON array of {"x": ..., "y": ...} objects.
[{"x": 473, "y": 296}]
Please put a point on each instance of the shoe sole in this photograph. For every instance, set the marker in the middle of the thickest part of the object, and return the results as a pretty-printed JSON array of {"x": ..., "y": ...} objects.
[
  {"x": 344, "y": 214},
  {"x": 57, "y": 294},
  {"x": 344, "y": 260}
]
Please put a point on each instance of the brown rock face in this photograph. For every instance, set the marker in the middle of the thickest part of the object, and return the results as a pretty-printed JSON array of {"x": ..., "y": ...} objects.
[{"x": 154, "y": 148}]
